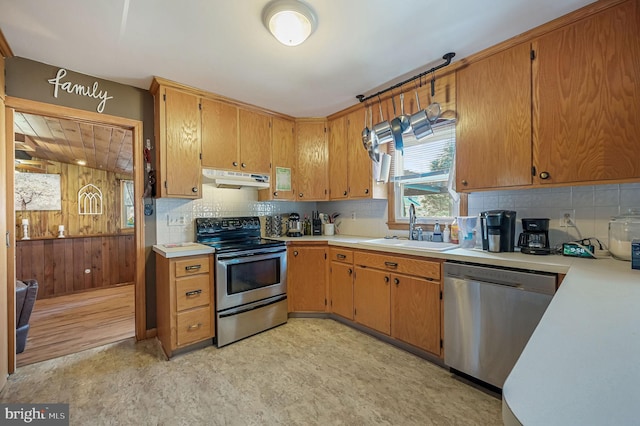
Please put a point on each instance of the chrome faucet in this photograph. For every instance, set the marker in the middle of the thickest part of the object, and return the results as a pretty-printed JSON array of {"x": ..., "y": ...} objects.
[{"x": 412, "y": 221}]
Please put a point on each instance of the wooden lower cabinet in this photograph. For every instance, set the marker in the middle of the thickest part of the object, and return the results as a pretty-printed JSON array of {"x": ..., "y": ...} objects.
[
  {"x": 415, "y": 311},
  {"x": 342, "y": 289},
  {"x": 399, "y": 296},
  {"x": 372, "y": 299},
  {"x": 341, "y": 282},
  {"x": 185, "y": 304},
  {"x": 307, "y": 278}
]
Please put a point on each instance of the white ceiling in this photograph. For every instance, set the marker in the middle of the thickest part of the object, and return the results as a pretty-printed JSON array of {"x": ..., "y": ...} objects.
[{"x": 222, "y": 46}]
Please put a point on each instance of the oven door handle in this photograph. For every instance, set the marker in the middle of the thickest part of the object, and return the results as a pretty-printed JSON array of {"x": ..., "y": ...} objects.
[
  {"x": 252, "y": 306},
  {"x": 231, "y": 256}
]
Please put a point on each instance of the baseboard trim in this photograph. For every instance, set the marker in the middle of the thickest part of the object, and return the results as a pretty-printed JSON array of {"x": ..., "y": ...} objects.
[{"x": 322, "y": 315}]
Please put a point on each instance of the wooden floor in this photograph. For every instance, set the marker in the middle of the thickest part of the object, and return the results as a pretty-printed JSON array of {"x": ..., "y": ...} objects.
[{"x": 69, "y": 324}]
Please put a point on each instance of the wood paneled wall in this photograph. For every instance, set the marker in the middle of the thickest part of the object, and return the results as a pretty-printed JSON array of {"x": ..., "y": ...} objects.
[
  {"x": 60, "y": 264},
  {"x": 44, "y": 223}
]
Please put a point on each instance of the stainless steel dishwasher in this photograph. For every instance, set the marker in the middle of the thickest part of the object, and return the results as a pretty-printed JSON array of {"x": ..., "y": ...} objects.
[{"x": 489, "y": 315}]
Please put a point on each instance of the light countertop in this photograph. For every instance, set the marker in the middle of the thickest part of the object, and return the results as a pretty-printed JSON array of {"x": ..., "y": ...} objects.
[{"x": 182, "y": 249}]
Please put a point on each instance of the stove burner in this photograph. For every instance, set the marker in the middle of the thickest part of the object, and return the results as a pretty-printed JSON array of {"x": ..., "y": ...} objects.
[{"x": 232, "y": 233}]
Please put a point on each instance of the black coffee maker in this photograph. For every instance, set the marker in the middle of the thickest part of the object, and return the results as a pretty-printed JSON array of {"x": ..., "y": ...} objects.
[
  {"x": 498, "y": 229},
  {"x": 535, "y": 236}
]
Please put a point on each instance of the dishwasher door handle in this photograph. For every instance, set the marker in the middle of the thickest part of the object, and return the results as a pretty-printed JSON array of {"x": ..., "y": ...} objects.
[{"x": 476, "y": 280}]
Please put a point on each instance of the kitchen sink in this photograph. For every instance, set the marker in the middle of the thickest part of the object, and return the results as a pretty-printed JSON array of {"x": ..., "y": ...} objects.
[{"x": 422, "y": 245}]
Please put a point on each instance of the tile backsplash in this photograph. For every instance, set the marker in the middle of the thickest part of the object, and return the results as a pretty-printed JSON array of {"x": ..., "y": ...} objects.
[
  {"x": 592, "y": 207},
  {"x": 215, "y": 202}
]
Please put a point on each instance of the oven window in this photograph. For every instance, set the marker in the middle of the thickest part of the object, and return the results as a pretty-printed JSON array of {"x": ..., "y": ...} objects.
[{"x": 248, "y": 276}]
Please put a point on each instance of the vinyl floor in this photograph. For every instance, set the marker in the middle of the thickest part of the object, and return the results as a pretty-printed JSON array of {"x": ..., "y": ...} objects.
[{"x": 306, "y": 372}]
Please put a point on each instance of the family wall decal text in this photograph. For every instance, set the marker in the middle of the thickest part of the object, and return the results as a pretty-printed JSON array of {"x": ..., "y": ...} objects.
[{"x": 79, "y": 89}]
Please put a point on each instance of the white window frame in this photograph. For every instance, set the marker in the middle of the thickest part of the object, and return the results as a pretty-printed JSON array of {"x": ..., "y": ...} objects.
[
  {"x": 123, "y": 205},
  {"x": 398, "y": 190}
]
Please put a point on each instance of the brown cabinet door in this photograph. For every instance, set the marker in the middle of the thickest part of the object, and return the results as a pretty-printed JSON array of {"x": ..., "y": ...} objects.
[
  {"x": 372, "y": 299},
  {"x": 493, "y": 133},
  {"x": 183, "y": 144},
  {"x": 415, "y": 315},
  {"x": 307, "y": 278},
  {"x": 360, "y": 165},
  {"x": 219, "y": 135},
  {"x": 255, "y": 142},
  {"x": 312, "y": 178},
  {"x": 283, "y": 155},
  {"x": 342, "y": 289},
  {"x": 338, "y": 159},
  {"x": 587, "y": 98}
]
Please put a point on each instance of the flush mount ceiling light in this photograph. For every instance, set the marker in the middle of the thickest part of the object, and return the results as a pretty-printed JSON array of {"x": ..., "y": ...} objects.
[{"x": 291, "y": 22}]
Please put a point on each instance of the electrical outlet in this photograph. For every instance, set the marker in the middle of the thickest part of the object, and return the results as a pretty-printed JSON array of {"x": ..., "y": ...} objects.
[
  {"x": 567, "y": 218},
  {"x": 353, "y": 215},
  {"x": 176, "y": 220}
]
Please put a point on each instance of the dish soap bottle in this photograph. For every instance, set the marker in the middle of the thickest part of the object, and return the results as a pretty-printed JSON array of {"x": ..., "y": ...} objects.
[
  {"x": 437, "y": 234},
  {"x": 446, "y": 235},
  {"x": 454, "y": 231}
]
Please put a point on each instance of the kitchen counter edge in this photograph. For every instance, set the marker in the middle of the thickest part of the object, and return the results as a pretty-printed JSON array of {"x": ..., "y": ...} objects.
[{"x": 182, "y": 250}]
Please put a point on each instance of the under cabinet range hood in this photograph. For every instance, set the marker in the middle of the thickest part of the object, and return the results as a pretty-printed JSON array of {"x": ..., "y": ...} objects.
[{"x": 235, "y": 180}]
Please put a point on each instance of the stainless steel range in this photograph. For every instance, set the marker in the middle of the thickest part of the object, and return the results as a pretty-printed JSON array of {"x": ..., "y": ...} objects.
[{"x": 251, "y": 276}]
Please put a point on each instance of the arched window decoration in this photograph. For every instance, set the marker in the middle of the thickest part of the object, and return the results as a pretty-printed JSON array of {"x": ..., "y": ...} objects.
[{"x": 89, "y": 200}]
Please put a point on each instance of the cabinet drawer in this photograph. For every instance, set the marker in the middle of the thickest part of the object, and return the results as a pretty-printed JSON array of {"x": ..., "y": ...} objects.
[
  {"x": 193, "y": 291},
  {"x": 395, "y": 263},
  {"x": 192, "y": 266},
  {"x": 341, "y": 255},
  {"x": 193, "y": 325}
]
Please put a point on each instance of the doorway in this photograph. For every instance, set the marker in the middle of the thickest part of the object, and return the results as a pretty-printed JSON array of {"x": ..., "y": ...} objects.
[{"x": 96, "y": 271}]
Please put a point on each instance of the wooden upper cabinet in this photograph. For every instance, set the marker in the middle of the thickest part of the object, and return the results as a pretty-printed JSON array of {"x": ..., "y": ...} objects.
[
  {"x": 220, "y": 149},
  {"x": 587, "y": 98},
  {"x": 312, "y": 152},
  {"x": 178, "y": 133},
  {"x": 351, "y": 171},
  {"x": 283, "y": 154},
  {"x": 493, "y": 133},
  {"x": 255, "y": 142},
  {"x": 360, "y": 165},
  {"x": 338, "y": 159}
]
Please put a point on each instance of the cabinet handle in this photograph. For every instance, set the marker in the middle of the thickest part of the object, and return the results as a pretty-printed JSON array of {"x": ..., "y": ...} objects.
[
  {"x": 193, "y": 293},
  {"x": 391, "y": 264},
  {"x": 194, "y": 189},
  {"x": 396, "y": 281},
  {"x": 195, "y": 326},
  {"x": 464, "y": 182},
  {"x": 235, "y": 164},
  {"x": 366, "y": 191},
  {"x": 300, "y": 195},
  {"x": 243, "y": 165},
  {"x": 350, "y": 271},
  {"x": 544, "y": 175},
  {"x": 342, "y": 256},
  {"x": 275, "y": 194},
  {"x": 192, "y": 267},
  {"x": 295, "y": 253},
  {"x": 386, "y": 279},
  {"x": 344, "y": 193}
]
